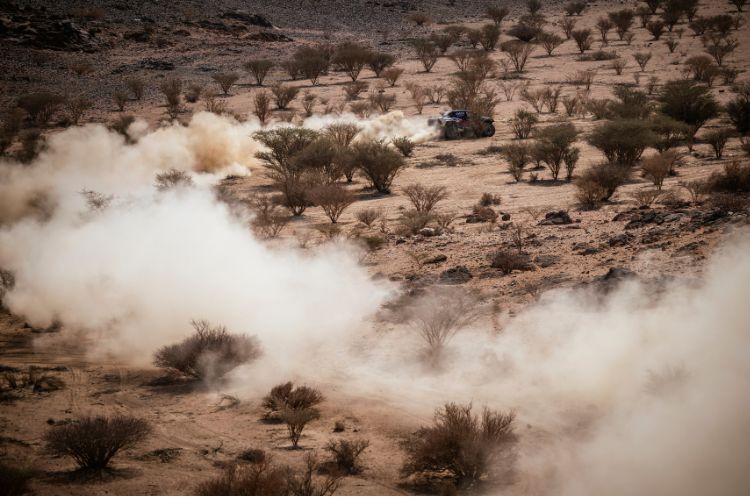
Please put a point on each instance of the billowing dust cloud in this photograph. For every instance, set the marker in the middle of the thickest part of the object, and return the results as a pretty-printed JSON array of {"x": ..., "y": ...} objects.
[{"x": 629, "y": 393}]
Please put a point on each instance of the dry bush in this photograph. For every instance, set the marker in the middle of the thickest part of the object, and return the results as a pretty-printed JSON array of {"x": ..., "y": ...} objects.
[
  {"x": 419, "y": 18},
  {"x": 384, "y": 102},
  {"x": 368, "y": 216},
  {"x": 12, "y": 121},
  {"x": 571, "y": 104},
  {"x": 379, "y": 61},
  {"x": 311, "y": 62},
  {"x": 308, "y": 102},
  {"x": 33, "y": 142},
  {"x": 303, "y": 484},
  {"x": 379, "y": 163},
  {"x": 656, "y": 28},
  {"x": 496, "y": 13},
  {"x": 346, "y": 453},
  {"x": 642, "y": 58},
  {"x": 391, "y": 75},
  {"x": 583, "y": 77},
  {"x": 462, "y": 445},
  {"x": 284, "y": 94},
  {"x": 604, "y": 25},
  {"x": 718, "y": 140},
  {"x": 286, "y": 395},
  {"x": 332, "y": 199},
  {"x": 646, "y": 197},
  {"x": 523, "y": 123},
  {"x": 262, "y": 106},
  {"x": 568, "y": 25},
  {"x": 259, "y": 479},
  {"x": 738, "y": 109},
  {"x": 269, "y": 219},
  {"x": 518, "y": 53},
  {"x": 352, "y": 90},
  {"x": 172, "y": 179},
  {"x": 490, "y": 34},
  {"x": 608, "y": 176},
  {"x": 40, "y": 106},
  {"x": 342, "y": 133},
  {"x": 671, "y": 44},
  {"x": 622, "y": 21},
  {"x": 508, "y": 261},
  {"x": 14, "y": 480},
  {"x": 696, "y": 190},
  {"x": 172, "y": 90},
  {"x": 225, "y": 80},
  {"x": 575, "y": 8},
  {"x": 439, "y": 314},
  {"x": 77, "y": 107},
  {"x": 589, "y": 193},
  {"x": 489, "y": 199},
  {"x": 583, "y": 39},
  {"x": 517, "y": 156},
  {"x": 121, "y": 126},
  {"x": 209, "y": 353},
  {"x": 688, "y": 102},
  {"x": 425, "y": 198},
  {"x": 435, "y": 94},
  {"x": 720, "y": 48},
  {"x": 195, "y": 91},
  {"x": 442, "y": 41},
  {"x": 120, "y": 98},
  {"x": 657, "y": 167},
  {"x": 351, "y": 57},
  {"x": 555, "y": 146},
  {"x": 509, "y": 89},
  {"x": 259, "y": 68},
  {"x": 622, "y": 141},
  {"x": 618, "y": 65},
  {"x": 404, "y": 145},
  {"x": 412, "y": 222},
  {"x": 93, "y": 441},
  {"x": 549, "y": 41},
  {"x": 296, "y": 420},
  {"x": 426, "y": 52},
  {"x": 734, "y": 179}
]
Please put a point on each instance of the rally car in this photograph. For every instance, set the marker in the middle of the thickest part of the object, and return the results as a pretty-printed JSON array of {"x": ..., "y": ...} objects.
[{"x": 456, "y": 123}]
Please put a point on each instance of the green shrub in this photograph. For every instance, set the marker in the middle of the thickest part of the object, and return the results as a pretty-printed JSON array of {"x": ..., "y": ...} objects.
[{"x": 622, "y": 141}]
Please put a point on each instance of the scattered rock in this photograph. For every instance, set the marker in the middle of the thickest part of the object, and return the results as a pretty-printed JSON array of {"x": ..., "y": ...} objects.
[
  {"x": 247, "y": 18},
  {"x": 505, "y": 217},
  {"x": 618, "y": 274},
  {"x": 428, "y": 232},
  {"x": 156, "y": 64},
  {"x": 455, "y": 276},
  {"x": 620, "y": 240},
  {"x": 267, "y": 36},
  {"x": 484, "y": 214},
  {"x": 546, "y": 260},
  {"x": 556, "y": 219}
]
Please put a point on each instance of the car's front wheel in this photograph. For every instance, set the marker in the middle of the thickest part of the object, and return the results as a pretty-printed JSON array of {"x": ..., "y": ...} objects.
[
  {"x": 489, "y": 130},
  {"x": 451, "y": 131}
]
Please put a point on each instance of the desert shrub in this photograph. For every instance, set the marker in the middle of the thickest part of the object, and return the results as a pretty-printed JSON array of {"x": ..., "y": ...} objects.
[
  {"x": 262, "y": 105},
  {"x": 524, "y": 32},
  {"x": 442, "y": 41},
  {"x": 575, "y": 8},
  {"x": 332, "y": 199},
  {"x": 642, "y": 58},
  {"x": 404, "y": 145},
  {"x": 718, "y": 140},
  {"x": 589, "y": 193},
  {"x": 523, "y": 123},
  {"x": 583, "y": 39},
  {"x": 608, "y": 176},
  {"x": 669, "y": 132},
  {"x": 351, "y": 57},
  {"x": 284, "y": 94},
  {"x": 688, "y": 102},
  {"x": 555, "y": 143},
  {"x": 496, "y": 13},
  {"x": 379, "y": 163},
  {"x": 304, "y": 484},
  {"x": 120, "y": 98},
  {"x": 225, "y": 80},
  {"x": 352, "y": 90},
  {"x": 702, "y": 69},
  {"x": 509, "y": 261},
  {"x": 121, "y": 126},
  {"x": 173, "y": 178},
  {"x": 269, "y": 220},
  {"x": 518, "y": 53},
  {"x": 582, "y": 77},
  {"x": 618, "y": 65},
  {"x": 622, "y": 141},
  {"x": 656, "y": 28},
  {"x": 286, "y": 395},
  {"x": 346, "y": 452},
  {"x": 425, "y": 198},
  {"x": 308, "y": 102},
  {"x": 427, "y": 53},
  {"x": 258, "y": 479},
  {"x": 209, "y": 353},
  {"x": 439, "y": 314},
  {"x": 172, "y": 90},
  {"x": 368, "y": 216},
  {"x": 604, "y": 25},
  {"x": 296, "y": 420},
  {"x": 738, "y": 110},
  {"x": 384, "y": 102},
  {"x": 461, "y": 444},
  {"x": 76, "y": 108},
  {"x": 253, "y": 455},
  {"x": 379, "y": 61},
  {"x": 720, "y": 48},
  {"x": 656, "y": 168},
  {"x": 419, "y": 18},
  {"x": 12, "y": 120},
  {"x": 728, "y": 202},
  {"x": 738, "y": 4},
  {"x": 259, "y": 68},
  {"x": 14, "y": 480},
  {"x": 196, "y": 90},
  {"x": 646, "y": 197},
  {"x": 40, "y": 106},
  {"x": 342, "y": 133},
  {"x": 622, "y": 20},
  {"x": 671, "y": 44},
  {"x": 137, "y": 87},
  {"x": 93, "y": 441},
  {"x": 517, "y": 156},
  {"x": 630, "y": 104},
  {"x": 32, "y": 143},
  {"x": 734, "y": 179},
  {"x": 391, "y": 75},
  {"x": 489, "y": 199},
  {"x": 549, "y": 41},
  {"x": 490, "y": 36},
  {"x": 311, "y": 62}
]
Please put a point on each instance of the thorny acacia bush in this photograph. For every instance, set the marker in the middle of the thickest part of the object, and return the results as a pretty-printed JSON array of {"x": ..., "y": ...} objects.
[
  {"x": 378, "y": 163},
  {"x": 209, "y": 353},
  {"x": 523, "y": 123},
  {"x": 459, "y": 443},
  {"x": 439, "y": 314},
  {"x": 622, "y": 141},
  {"x": 509, "y": 261},
  {"x": 346, "y": 453},
  {"x": 600, "y": 182},
  {"x": 332, "y": 199},
  {"x": 93, "y": 441},
  {"x": 424, "y": 198},
  {"x": 688, "y": 102},
  {"x": 173, "y": 179},
  {"x": 555, "y": 145},
  {"x": 351, "y": 57},
  {"x": 286, "y": 395},
  {"x": 657, "y": 167},
  {"x": 259, "y": 68},
  {"x": 269, "y": 219},
  {"x": 225, "y": 81},
  {"x": 404, "y": 145}
]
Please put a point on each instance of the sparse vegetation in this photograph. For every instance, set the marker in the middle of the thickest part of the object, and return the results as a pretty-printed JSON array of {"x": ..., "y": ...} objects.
[
  {"x": 259, "y": 68},
  {"x": 378, "y": 163},
  {"x": 346, "y": 453}
]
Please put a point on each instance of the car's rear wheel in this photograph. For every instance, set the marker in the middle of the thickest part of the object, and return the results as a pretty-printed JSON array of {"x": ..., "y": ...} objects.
[
  {"x": 451, "y": 131},
  {"x": 489, "y": 130}
]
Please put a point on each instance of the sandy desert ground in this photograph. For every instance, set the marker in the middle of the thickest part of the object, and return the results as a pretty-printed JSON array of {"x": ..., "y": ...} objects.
[{"x": 573, "y": 344}]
